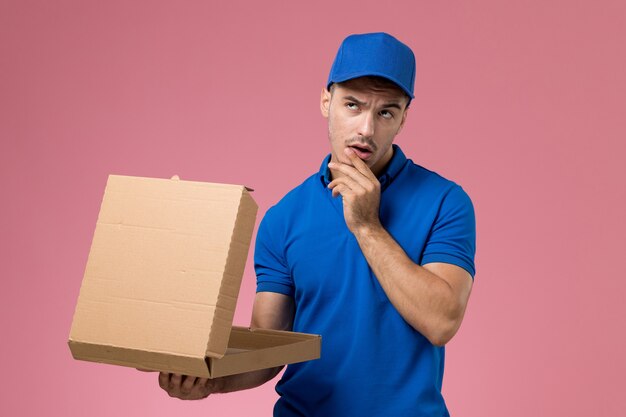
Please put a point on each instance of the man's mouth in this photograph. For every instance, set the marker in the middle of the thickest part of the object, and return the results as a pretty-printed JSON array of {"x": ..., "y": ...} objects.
[{"x": 362, "y": 151}]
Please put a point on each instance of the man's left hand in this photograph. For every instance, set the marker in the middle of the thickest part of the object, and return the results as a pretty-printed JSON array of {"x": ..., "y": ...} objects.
[{"x": 360, "y": 190}]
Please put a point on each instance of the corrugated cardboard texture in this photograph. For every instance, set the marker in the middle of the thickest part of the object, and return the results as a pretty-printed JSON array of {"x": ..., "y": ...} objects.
[{"x": 164, "y": 270}]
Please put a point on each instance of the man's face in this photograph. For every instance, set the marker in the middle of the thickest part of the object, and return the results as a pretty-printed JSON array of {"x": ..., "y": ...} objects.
[{"x": 364, "y": 118}]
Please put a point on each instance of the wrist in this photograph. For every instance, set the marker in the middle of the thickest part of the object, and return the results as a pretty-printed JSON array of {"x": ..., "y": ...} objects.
[{"x": 368, "y": 230}]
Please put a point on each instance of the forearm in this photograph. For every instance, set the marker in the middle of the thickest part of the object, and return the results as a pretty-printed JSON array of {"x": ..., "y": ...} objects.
[
  {"x": 426, "y": 301},
  {"x": 431, "y": 299}
]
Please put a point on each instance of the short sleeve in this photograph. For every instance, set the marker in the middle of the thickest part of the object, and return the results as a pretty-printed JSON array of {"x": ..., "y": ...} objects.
[
  {"x": 272, "y": 271},
  {"x": 453, "y": 235}
]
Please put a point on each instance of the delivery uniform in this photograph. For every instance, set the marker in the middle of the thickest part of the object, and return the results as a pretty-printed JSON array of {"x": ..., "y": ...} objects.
[{"x": 373, "y": 362}]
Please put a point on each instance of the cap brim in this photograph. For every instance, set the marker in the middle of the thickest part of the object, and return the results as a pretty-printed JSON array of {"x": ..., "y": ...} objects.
[{"x": 346, "y": 77}]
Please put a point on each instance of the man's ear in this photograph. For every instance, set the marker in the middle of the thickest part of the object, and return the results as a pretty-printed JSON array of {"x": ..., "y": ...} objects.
[{"x": 325, "y": 102}]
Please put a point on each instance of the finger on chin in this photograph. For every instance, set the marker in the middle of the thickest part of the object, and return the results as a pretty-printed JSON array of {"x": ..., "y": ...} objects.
[{"x": 357, "y": 162}]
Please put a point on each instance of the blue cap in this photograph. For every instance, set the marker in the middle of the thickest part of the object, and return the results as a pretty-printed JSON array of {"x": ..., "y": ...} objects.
[{"x": 374, "y": 54}]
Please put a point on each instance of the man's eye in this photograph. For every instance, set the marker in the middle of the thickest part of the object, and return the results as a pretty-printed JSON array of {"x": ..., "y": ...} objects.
[
  {"x": 386, "y": 114},
  {"x": 352, "y": 106}
]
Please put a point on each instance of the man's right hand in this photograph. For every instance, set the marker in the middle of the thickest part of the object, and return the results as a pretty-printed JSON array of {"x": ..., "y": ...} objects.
[{"x": 187, "y": 387}]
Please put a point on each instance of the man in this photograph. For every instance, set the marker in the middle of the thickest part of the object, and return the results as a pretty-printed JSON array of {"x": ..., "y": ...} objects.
[{"x": 373, "y": 252}]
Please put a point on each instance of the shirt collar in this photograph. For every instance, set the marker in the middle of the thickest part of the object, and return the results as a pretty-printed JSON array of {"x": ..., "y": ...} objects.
[{"x": 391, "y": 171}]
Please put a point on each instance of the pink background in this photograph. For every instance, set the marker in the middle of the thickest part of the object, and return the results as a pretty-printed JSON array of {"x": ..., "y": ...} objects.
[{"x": 522, "y": 103}]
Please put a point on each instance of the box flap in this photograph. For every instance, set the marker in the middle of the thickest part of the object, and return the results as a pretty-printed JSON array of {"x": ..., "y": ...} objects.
[
  {"x": 233, "y": 273},
  {"x": 165, "y": 267}
]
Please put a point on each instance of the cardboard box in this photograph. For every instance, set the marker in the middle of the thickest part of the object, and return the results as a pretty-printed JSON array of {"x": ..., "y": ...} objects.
[{"x": 162, "y": 280}]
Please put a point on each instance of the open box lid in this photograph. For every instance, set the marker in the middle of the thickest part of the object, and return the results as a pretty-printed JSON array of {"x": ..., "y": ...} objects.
[{"x": 164, "y": 272}]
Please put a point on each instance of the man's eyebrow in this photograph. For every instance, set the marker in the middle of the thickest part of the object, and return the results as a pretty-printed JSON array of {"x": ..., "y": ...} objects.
[
  {"x": 356, "y": 100},
  {"x": 392, "y": 104}
]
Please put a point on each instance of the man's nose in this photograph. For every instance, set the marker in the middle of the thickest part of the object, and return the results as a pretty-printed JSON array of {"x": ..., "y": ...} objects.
[{"x": 366, "y": 124}]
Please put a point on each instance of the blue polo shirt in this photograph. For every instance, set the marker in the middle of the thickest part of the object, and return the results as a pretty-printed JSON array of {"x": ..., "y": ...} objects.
[{"x": 373, "y": 362}]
